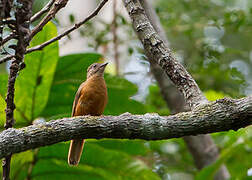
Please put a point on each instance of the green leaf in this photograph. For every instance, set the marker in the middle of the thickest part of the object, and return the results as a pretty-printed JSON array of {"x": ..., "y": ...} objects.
[
  {"x": 119, "y": 97},
  {"x": 71, "y": 18},
  {"x": 34, "y": 81},
  {"x": 96, "y": 163},
  {"x": 132, "y": 147},
  {"x": 155, "y": 103}
]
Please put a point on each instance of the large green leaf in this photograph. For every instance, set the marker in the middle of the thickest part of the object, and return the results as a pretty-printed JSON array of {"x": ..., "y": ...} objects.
[
  {"x": 119, "y": 93},
  {"x": 96, "y": 163},
  {"x": 34, "y": 82},
  {"x": 131, "y": 147}
]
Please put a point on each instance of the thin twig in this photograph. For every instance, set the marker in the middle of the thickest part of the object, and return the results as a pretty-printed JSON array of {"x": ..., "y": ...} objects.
[
  {"x": 6, "y": 167},
  {"x": 76, "y": 26},
  {"x": 59, "y": 4},
  {"x": 45, "y": 9}
]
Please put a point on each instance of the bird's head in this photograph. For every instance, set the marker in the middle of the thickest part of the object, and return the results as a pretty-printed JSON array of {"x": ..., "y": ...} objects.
[{"x": 96, "y": 69}]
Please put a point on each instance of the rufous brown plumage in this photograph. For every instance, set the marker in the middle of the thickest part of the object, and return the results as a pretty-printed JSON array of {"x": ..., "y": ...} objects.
[{"x": 90, "y": 99}]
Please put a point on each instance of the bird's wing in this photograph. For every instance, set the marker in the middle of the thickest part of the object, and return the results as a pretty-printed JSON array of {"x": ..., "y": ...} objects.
[{"x": 76, "y": 99}]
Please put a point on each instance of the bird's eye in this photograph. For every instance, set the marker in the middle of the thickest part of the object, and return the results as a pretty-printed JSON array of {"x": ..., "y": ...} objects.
[{"x": 94, "y": 66}]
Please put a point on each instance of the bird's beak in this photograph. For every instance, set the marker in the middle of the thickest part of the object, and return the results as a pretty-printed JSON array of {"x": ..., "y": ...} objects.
[{"x": 104, "y": 65}]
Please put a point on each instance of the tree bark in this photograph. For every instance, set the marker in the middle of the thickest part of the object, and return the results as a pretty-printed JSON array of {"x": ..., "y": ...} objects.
[{"x": 221, "y": 115}]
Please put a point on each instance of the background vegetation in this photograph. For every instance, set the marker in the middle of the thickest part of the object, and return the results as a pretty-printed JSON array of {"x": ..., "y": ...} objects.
[{"x": 213, "y": 39}]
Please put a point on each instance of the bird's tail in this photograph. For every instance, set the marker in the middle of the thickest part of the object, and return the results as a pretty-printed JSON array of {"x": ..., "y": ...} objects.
[{"x": 75, "y": 151}]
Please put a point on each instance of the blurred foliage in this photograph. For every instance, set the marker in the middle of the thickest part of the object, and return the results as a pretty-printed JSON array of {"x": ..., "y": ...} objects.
[
  {"x": 213, "y": 95},
  {"x": 155, "y": 103},
  {"x": 97, "y": 163},
  {"x": 213, "y": 40},
  {"x": 238, "y": 148},
  {"x": 98, "y": 33},
  {"x": 37, "y": 4}
]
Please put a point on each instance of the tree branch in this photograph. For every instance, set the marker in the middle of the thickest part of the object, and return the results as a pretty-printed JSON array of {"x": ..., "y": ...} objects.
[
  {"x": 168, "y": 90},
  {"x": 154, "y": 46},
  {"x": 45, "y": 9},
  {"x": 76, "y": 26},
  {"x": 59, "y": 4},
  {"x": 221, "y": 115},
  {"x": 68, "y": 31}
]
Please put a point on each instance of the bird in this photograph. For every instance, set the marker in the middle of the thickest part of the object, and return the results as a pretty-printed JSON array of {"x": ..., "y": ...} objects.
[{"x": 91, "y": 99}]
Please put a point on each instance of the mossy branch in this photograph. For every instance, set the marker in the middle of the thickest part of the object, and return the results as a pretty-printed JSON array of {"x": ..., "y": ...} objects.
[{"x": 221, "y": 115}]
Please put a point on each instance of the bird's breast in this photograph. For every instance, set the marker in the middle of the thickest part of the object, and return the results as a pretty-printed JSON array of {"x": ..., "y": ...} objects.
[{"x": 93, "y": 98}]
